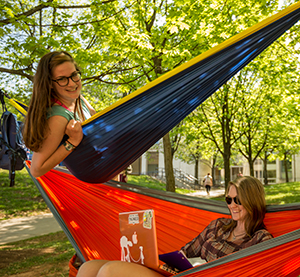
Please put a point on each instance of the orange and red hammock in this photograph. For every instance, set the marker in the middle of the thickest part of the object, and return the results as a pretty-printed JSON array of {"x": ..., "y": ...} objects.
[{"x": 88, "y": 213}]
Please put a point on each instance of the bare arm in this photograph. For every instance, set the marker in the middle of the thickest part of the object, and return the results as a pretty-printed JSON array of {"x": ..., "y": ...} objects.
[
  {"x": 51, "y": 154},
  {"x": 91, "y": 109}
]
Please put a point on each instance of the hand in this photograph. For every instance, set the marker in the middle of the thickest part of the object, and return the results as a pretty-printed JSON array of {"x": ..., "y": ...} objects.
[
  {"x": 74, "y": 131},
  {"x": 181, "y": 251}
]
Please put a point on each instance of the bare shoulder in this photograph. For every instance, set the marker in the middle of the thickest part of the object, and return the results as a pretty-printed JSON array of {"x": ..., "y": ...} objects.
[
  {"x": 57, "y": 121},
  {"x": 57, "y": 126}
]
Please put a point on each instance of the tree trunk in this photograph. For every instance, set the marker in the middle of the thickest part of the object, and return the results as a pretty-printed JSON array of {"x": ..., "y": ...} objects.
[
  {"x": 196, "y": 175},
  {"x": 226, "y": 133},
  {"x": 214, "y": 160},
  {"x": 265, "y": 170},
  {"x": 168, "y": 159},
  {"x": 286, "y": 168},
  {"x": 251, "y": 166},
  {"x": 226, "y": 158}
]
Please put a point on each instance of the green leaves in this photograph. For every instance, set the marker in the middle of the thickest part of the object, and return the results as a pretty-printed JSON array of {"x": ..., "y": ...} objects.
[{"x": 122, "y": 45}]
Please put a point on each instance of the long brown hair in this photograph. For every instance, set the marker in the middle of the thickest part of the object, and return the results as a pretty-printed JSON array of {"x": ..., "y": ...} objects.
[
  {"x": 251, "y": 194},
  {"x": 36, "y": 124}
]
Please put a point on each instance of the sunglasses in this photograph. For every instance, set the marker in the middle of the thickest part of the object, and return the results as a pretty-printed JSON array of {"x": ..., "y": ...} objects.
[{"x": 236, "y": 200}]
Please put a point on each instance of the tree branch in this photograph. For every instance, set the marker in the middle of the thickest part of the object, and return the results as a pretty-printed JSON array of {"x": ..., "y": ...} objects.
[
  {"x": 28, "y": 13},
  {"x": 19, "y": 72},
  {"x": 84, "y": 23}
]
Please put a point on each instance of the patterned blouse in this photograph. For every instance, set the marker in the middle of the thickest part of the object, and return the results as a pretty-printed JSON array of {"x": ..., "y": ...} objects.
[{"x": 212, "y": 243}]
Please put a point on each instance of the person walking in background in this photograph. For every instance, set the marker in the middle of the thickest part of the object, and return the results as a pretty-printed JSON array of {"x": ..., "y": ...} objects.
[{"x": 208, "y": 182}]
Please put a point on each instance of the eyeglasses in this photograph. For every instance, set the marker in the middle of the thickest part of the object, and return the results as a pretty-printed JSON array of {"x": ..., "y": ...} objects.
[
  {"x": 236, "y": 200},
  {"x": 64, "y": 81}
]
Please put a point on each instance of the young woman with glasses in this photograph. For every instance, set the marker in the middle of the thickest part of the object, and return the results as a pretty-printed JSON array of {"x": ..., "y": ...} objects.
[
  {"x": 53, "y": 122},
  {"x": 245, "y": 198}
]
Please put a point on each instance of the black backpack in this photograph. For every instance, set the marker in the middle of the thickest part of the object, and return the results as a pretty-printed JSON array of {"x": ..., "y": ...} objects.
[{"x": 12, "y": 148}]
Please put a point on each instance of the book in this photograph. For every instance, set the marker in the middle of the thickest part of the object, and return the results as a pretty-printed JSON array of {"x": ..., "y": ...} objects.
[{"x": 176, "y": 260}]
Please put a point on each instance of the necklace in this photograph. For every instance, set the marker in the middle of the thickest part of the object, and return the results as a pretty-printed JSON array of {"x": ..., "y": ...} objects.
[{"x": 236, "y": 236}]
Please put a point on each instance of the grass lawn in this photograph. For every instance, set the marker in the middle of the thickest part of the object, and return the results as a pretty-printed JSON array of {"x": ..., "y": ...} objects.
[
  {"x": 46, "y": 256},
  {"x": 146, "y": 181},
  {"x": 49, "y": 255},
  {"x": 23, "y": 199},
  {"x": 285, "y": 193},
  {"x": 279, "y": 194}
]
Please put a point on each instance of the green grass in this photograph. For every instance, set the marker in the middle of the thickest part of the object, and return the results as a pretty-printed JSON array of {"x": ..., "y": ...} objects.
[
  {"x": 21, "y": 200},
  {"x": 54, "y": 250},
  {"x": 285, "y": 193},
  {"x": 279, "y": 194},
  {"x": 147, "y": 181}
]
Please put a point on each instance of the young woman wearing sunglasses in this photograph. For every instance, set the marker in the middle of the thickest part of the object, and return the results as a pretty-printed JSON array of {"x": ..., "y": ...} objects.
[
  {"x": 53, "y": 122},
  {"x": 245, "y": 198}
]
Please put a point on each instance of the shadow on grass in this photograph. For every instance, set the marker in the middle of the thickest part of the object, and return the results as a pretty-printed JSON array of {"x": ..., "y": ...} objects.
[{"x": 46, "y": 255}]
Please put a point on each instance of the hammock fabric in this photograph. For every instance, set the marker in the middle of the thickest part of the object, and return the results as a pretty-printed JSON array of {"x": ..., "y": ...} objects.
[
  {"x": 117, "y": 136},
  {"x": 88, "y": 213}
]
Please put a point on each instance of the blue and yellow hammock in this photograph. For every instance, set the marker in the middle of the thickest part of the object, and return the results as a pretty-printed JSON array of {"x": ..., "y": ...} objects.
[{"x": 114, "y": 138}]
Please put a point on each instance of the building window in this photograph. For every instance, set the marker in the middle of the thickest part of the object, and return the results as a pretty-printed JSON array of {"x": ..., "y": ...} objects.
[{"x": 258, "y": 174}]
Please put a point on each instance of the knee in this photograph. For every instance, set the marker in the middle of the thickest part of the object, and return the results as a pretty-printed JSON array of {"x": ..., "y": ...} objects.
[
  {"x": 110, "y": 269},
  {"x": 90, "y": 268}
]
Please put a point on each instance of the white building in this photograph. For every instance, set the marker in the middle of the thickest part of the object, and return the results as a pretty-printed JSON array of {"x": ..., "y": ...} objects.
[{"x": 152, "y": 163}]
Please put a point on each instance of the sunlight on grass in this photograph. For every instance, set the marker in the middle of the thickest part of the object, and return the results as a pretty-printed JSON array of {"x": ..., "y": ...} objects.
[
  {"x": 149, "y": 182},
  {"x": 283, "y": 193},
  {"x": 21, "y": 200},
  {"x": 53, "y": 249},
  {"x": 146, "y": 181},
  {"x": 278, "y": 194}
]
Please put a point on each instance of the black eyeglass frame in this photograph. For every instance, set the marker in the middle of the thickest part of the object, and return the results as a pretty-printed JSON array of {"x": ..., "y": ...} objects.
[
  {"x": 236, "y": 200},
  {"x": 70, "y": 77}
]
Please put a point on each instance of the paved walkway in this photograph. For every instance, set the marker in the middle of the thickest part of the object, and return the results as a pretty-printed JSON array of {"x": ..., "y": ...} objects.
[
  {"x": 16, "y": 229},
  {"x": 215, "y": 192}
]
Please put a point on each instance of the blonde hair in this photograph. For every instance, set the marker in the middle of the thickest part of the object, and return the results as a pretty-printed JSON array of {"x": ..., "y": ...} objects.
[
  {"x": 251, "y": 194},
  {"x": 36, "y": 123}
]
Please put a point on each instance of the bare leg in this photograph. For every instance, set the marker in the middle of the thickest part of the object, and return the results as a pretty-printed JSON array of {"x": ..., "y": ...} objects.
[
  {"x": 124, "y": 269},
  {"x": 90, "y": 268}
]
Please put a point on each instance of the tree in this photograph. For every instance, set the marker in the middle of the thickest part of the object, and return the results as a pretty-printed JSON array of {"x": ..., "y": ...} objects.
[
  {"x": 258, "y": 100},
  {"x": 124, "y": 44},
  {"x": 275, "y": 72},
  {"x": 288, "y": 143},
  {"x": 218, "y": 119},
  {"x": 195, "y": 148}
]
